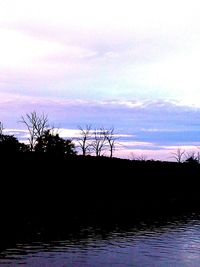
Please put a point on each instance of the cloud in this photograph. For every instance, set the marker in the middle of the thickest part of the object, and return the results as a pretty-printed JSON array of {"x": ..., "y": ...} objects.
[
  {"x": 131, "y": 144},
  {"x": 120, "y": 14},
  {"x": 150, "y": 121},
  {"x": 139, "y": 125},
  {"x": 133, "y": 51},
  {"x": 192, "y": 147},
  {"x": 25, "y": 51}
]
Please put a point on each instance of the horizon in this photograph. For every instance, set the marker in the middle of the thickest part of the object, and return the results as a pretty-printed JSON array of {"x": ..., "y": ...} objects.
[
  {"x": 131, "y": 65},
  {"x": 125, "y": 147}
]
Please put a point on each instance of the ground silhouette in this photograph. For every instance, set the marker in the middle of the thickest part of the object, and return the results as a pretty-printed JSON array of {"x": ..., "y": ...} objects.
[{"x": 47, "y": 188}]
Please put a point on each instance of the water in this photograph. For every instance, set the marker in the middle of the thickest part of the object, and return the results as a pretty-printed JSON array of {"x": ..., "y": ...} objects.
[{"x": 162, "y": 242}]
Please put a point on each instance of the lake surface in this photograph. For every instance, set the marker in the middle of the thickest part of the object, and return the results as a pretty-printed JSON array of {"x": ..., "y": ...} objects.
[{"x": 162, "y": 242}]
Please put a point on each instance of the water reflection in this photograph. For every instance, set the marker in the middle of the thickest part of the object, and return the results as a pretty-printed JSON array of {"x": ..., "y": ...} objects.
[{"x": 164, "y": 242}]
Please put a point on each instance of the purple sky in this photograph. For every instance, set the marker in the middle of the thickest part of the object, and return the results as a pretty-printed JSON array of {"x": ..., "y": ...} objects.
[{"x": 132, "y": 64}]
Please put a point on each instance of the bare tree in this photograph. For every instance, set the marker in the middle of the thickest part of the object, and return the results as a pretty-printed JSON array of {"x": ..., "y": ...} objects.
[
  {"x": 198, "y": 157},
  {"x": 142, "y": 157},
  {"x": 192, "y": 157},
  {"x": 99, "y": 142},
  {"x": 36, "y": 125},
  {"x": 83, "y": 140},
  {"x": 1, "y": 128},
  {"x": 190, "y": 154},
  {"x": 132, "y": 156},
  {"x": 178, "y": 155},
  {"x": 111, "y": 139}
]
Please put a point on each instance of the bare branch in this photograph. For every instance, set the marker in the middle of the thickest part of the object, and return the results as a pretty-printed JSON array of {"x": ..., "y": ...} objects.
[
  {"x": 1, "y": 128},
  {"x": 178, "y": 155},
  {"x": 111, "y": 139},
  {"x": 83, "y": 140},
  {"x": 36, "y": 125},
  {"x": 192, "y": 157},
  {"x": 142, "y": 157},
  {"x": 99, "y": 141}
]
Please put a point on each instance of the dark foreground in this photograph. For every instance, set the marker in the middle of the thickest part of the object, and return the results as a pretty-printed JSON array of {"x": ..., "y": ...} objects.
[{"x": 44, "y": 192}]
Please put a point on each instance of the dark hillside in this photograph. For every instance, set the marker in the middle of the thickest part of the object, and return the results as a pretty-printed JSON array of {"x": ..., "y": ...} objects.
[{"x": 52, "y": 189}]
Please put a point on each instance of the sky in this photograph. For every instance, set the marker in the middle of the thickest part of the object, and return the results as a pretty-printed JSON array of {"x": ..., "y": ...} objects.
[{"x": 132, "y": 65}]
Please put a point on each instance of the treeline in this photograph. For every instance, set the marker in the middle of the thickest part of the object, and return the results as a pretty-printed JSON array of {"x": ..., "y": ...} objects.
[
  {"x": 44, "y": 182},
  {"x": 44, "y": 138}
]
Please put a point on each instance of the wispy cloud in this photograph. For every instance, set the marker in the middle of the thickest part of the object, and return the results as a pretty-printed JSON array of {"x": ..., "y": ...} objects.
[
  {"x": 68, "y": 49},
  {"x": 191, "y": 147},
  {"x": 145, "y": 124},
  {"x": 132, "y": 144},
  {"x": 154, "y": 116}
]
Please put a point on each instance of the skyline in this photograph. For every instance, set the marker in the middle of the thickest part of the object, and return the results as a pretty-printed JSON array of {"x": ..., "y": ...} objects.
[{"x": 131, "y": 65}]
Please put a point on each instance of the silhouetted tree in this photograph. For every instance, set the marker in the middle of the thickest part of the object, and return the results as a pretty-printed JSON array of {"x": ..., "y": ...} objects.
[
  {"x": 178, "y": 155},
  {"x": 54, "y": 144},
  {"x": 192, "y": 160},
  {"x": 10, "y": 144},
  {"x": 99, "y": 142},
  {"x": 36, "y": 125},
  {"x": 111, "y": 139},
  {"x": 142, "y": 157},
  {"x": 192, "y": 157},
  {"x": 23, "y": 147},
  {"x": 84, "y": 139},
  {"x": 198, "y": 157},
  {"x": 1, "y": 128}
]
